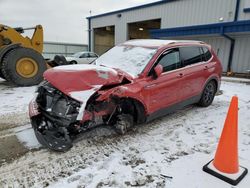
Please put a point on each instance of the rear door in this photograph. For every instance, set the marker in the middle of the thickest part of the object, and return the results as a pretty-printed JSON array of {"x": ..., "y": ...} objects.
[
  {"x": 164, "y": 91},
  {"x": 194, "y": 71}
]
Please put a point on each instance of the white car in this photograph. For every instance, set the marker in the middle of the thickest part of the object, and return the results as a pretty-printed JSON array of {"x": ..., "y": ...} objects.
[{"x": 82, "y": 58}]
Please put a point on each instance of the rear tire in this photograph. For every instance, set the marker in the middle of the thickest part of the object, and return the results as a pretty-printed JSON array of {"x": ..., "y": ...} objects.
[
  {"x": 208, "y": 94},
  {"x": 15, "y": 64}
]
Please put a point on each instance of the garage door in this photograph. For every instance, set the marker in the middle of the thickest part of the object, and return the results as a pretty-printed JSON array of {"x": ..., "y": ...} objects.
[
  {"x": 140, "y": 30},
  {"x": 104, "y": 39}
]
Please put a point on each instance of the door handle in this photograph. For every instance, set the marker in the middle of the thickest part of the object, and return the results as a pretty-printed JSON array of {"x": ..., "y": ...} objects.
[
  {"x": 180, "y": 75},
  {"x": 206, "y": 68}
]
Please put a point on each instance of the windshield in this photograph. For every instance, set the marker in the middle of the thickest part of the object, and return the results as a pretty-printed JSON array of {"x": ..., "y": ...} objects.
[
  {"x": 78, "y": 54},
  {"x": 130, "y": 59}
]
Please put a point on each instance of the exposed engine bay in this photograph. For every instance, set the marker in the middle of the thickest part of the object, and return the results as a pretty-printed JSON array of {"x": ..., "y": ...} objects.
[{"x": 54, "y": 116}]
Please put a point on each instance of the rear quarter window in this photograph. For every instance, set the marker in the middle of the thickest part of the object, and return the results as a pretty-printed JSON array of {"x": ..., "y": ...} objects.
[
  {"x": 206, "y": 54},
  {"x": 190, "y": 55}
]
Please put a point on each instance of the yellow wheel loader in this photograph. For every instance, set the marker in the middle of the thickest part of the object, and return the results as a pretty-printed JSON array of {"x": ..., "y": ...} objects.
[{"x": 21, "y": 60}]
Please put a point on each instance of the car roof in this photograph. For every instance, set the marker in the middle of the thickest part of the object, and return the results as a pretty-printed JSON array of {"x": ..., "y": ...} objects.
[{"x": 155, "y": 43}]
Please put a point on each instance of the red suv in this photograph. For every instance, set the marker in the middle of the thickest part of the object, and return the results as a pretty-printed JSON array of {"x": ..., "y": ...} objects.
[{"x": 132, "y": 83}]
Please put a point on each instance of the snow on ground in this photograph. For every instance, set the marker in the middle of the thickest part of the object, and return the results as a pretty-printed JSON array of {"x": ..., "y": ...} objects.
[
  {"x": 14, "y": 104},
  {"x": 168, "y": 152},
  {"x": 26, "y": 136},
  {"x": 14, "y": 99}
]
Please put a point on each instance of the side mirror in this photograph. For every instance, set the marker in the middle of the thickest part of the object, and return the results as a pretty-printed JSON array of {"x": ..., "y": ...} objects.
[{"x": 158, "y": 70}]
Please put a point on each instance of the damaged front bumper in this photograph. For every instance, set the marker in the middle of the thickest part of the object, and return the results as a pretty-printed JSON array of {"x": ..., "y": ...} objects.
[{"x": 54, "y": 116}]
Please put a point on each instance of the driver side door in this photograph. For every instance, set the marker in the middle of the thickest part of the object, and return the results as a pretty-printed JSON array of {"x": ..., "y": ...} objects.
[{"x": 164, "y": 91}]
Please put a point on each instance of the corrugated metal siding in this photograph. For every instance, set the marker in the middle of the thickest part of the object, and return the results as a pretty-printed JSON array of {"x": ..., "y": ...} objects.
[
  {"x": 241, "y": 58},
  {"x": 173, "y": 14},
  {"x": 244, "y": 15},
  {"x": 186, "y": 13},
  {"x": 53, "y": 48}
]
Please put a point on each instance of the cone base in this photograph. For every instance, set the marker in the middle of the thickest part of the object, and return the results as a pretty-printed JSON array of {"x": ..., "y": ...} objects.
[{"x": 232, "y": 179}]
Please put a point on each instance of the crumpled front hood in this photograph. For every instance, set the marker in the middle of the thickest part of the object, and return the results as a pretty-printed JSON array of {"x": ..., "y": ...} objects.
[{"x": 73, "y": 78}]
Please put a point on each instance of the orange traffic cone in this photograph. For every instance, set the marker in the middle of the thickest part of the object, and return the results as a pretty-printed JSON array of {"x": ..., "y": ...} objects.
[{"x": 225, "y": 164}]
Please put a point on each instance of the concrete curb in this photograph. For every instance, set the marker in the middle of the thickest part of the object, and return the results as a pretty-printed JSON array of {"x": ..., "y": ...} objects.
[{"x": 236, "y": 80}]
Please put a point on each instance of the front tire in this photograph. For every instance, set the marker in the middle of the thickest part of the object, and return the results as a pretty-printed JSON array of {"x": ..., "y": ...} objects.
[
  {"x": 123, "y": 123},
  {"x": 208, "y": 94}
]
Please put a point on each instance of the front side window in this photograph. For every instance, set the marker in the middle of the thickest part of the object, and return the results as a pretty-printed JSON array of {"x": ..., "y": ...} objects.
[
  {"x": 170, "y": 60},
  {"x": 190, "y": 55}
]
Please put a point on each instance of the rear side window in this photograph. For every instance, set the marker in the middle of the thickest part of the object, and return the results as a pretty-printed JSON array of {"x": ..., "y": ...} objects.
[
  {"x": 207, "y": 54},
  {"x": 190, "y": 55},
  {"x": 170, "y": 60}
]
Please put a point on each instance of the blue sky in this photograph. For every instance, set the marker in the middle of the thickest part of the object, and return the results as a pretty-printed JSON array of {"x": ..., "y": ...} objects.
[{"x": 63, "y": 20}]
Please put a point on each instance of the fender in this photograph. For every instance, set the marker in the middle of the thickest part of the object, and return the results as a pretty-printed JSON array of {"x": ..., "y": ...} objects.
[
  {"x": 132, "y": 92},
  {"x": 213, "y": 77}
]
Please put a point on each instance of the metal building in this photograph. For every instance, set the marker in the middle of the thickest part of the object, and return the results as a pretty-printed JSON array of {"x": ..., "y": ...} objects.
[
  {"x": 58, "y": 48},
  {"x": 225, "y": 24}
]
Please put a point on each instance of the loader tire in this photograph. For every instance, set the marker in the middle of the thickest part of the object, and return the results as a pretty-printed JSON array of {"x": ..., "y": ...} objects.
[
  {"x": 1, "y": 74},
  {"x": 23, "y": 67}
]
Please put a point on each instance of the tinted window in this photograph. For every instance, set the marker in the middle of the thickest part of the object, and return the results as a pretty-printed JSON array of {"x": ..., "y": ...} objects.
[
  {"x": 84, "y": 55},
  {"x": 170, "y": 60},
  {"x": 207, "y": 54},
  {"x": 92, "y": 55},
  {"x": 190, "y": 55}
]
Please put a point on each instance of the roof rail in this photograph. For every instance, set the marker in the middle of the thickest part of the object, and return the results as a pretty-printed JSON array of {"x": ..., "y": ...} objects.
[{"x": 187, "y": 41}]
